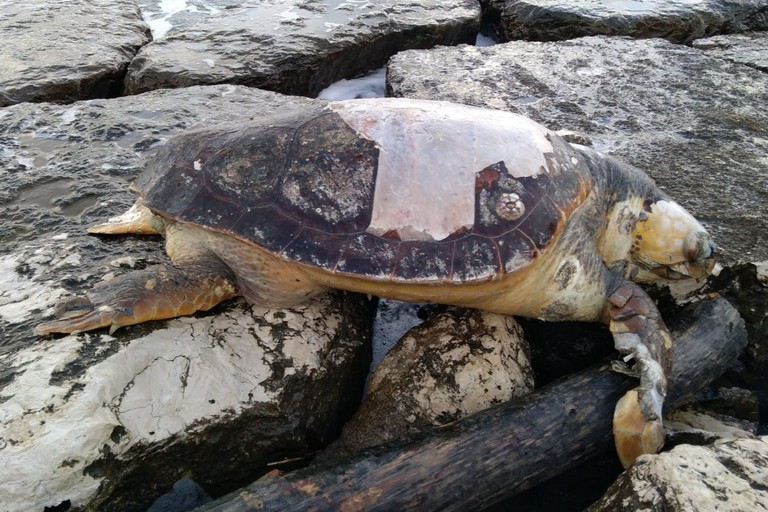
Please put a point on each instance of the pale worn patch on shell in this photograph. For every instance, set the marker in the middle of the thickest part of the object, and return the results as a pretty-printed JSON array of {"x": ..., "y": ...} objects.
[{"x": 411, "y": 179}]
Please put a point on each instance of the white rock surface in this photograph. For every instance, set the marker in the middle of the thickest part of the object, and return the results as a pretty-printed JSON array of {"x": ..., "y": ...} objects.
[
  {"x": 456, "y": 363},
  {"x": 298, "y": 46},
  {"x": 728, "y": 476},
  {"x": 79, "y": 415}
]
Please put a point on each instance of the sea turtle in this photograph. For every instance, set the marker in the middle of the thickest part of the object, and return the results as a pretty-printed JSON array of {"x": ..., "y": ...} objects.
[{"x": 412, "y": 200}]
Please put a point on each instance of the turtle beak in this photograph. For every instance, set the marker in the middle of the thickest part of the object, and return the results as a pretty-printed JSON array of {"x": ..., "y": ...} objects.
[{"x": 700, "y": 250}]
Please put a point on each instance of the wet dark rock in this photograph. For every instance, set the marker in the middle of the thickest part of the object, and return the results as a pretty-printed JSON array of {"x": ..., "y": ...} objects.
[
  {"x": 67, "y": 51},
  {"x": 456, "y": 363},
  {"x": 166, "y": 17},
  {"x": 298, "y": 47},
  {"x": 703, "y": 140},
  {"x": 741, "y": 404},
  {"x": 750, "y": 48},
  {"x": 694, "y": 424},
  {"x": 674, "y": 20},
  {"x": 562, "y": 348}
]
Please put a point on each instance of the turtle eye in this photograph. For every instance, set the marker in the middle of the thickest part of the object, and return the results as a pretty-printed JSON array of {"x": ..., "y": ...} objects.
[{"x": 698, "y": 246}]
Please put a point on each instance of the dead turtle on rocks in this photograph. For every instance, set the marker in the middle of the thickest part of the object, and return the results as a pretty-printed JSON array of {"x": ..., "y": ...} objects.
[{"x": 413, "y": 200}]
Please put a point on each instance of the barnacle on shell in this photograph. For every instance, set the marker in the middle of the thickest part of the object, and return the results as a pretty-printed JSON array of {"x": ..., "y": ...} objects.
[{"x": 509, "y": 206}]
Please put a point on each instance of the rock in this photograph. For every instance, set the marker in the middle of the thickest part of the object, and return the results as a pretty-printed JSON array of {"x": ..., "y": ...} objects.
[
  {"x": 700, "y": 139},
  {"x": 110, "y": 423},
  {"x": 476, "y": 461},
  {"x": 231, "y": 390},
  {"x": 726, "y": 476},
  {"x": 88, "y": 45},
  {"x": 455, "y": 364},
  {"x": 746, "y": 287},
  {"x": 165, "y": 17},
  {"x": 676, "y": 20},
  {"x": 750, "y": 48},
  {"x": 691, "y": 426},
  {"x": 298, "y": 47},
  {"x": 738, "y": 403},
  {"x": 562, "y": 348}
]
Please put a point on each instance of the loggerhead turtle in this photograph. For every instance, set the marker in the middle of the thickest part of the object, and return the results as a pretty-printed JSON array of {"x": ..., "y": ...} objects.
[{"x": 412, "y": 200}]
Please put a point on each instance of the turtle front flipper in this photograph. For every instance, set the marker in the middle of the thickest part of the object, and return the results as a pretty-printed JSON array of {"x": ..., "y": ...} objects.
[
  {"x": 150, "y": 294},
  {"x": 640, "y": 335}
]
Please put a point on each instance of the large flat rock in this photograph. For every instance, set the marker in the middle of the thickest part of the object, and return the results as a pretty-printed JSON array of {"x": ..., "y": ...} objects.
[
  {"x": 164, "y": 17},
  {"x": 750, "y": 48},
  {"x": 66, "y": 51},
  {"x": 696, "y": 123},
  {"x": 298, "y": 47},
  {"x": 675, "y": 20}
]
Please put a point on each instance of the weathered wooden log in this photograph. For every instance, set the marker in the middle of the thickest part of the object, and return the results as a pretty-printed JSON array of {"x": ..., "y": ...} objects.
[{"x": 497, "y": 453}]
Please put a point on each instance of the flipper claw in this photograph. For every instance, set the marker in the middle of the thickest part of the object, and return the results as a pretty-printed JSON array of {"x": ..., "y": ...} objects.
[{"x": 640, "y": 334}]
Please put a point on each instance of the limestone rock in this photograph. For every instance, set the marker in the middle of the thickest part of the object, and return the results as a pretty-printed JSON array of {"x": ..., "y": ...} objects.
[
  {"x": 675, "y": 20},
  {"x": 701, "y": 139},
  {"x": 298, "y": 47},
  {"x": 109, "y": 423},
  {"x": 67, "y": 50},
  {"x": 457, "y": 363},
  {"x": 726, "y": 476},
  {"x": 691, "y": 426},
  {"x": 750, "y": 48}
]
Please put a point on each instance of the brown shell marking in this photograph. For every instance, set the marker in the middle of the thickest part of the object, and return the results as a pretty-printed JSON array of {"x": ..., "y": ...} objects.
[{"x": 302, "y": 186}]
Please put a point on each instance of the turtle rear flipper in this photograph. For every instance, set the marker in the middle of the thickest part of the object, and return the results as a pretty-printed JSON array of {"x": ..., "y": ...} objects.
[
  {"x": 138, "y": 220},
  {"x": 150, "y": 294},
  {"x": 640, "y": 334}
]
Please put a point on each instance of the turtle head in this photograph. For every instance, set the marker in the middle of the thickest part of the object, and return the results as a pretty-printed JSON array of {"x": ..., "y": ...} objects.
[{"x": 669, "y": 243}]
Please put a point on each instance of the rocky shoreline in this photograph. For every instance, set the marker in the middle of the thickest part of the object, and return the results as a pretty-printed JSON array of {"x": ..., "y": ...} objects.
[{"x": 675, "y": 88}]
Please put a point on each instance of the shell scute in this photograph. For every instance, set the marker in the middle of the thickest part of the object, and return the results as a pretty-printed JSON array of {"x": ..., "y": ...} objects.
[
  {"x": 369, "y": 255},
  {"x": 516, "y": 250},
  {"x": 418, "y": 261},
  {"x": 241, "y": 166},
  {"x": 475, "y": 258},
  {"x": 315, "y": 248},
  {"x": 173, "y": 195},
  {"x": 541, "y": 225},
  {"x": 328, "y": 184},
  {"x": 488, "y": 220},
  {"x": 214, "y": 211},
  {"x": 267, "y": 227}
]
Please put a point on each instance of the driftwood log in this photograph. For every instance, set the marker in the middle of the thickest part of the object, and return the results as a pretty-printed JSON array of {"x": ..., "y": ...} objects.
[{"x": 499, "y": 452}]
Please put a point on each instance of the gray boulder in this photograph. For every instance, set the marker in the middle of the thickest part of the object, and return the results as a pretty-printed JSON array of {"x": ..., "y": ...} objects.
[
  {"x": 298, "y": 47},
  {"x": 750, "y": 48},
  {"x": 457, "y": 363},
  {"x": 67, "y": 51},
  {"x": 674, "y": 20}
]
